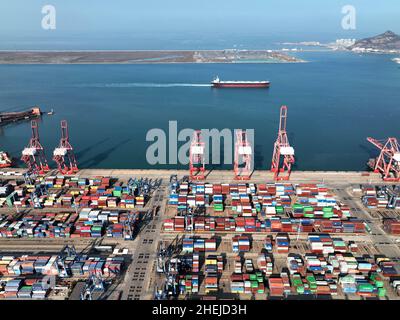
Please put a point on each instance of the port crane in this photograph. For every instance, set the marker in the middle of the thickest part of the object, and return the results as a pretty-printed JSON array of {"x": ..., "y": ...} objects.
[
  {"x": 173, "y": 183},
  {"x": 196, "y": 157},
  {"x": 29, "y": 178},
  {"x": 94, "y": 283},
  {"x": 168, "y": 266},
  {"x": 243, "y": 161},
  {"x": 67, "y": 252},
  {"x": 388, "y": 161},
  {"x": 283, "y": 156},
  {"x": 40, "y": 190},
  {"x": 129, "y": 225},
  {"x": 64, "y": 155},
  {"x": 33, "y": 155},
  {"x": 139, "y": 186}
]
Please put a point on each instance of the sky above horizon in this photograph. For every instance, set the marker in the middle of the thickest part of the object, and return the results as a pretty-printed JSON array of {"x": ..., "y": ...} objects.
[{"x": 158, "y": 20}]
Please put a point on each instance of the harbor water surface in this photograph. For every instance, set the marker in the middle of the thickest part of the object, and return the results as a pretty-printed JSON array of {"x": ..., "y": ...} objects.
[{"x": 334, "y": 102}]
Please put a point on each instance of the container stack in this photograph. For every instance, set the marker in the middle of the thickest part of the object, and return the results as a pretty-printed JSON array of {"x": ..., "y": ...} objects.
[
  {"x": 238, "y": 265},
  {"x": 196, "y": 263},
  {"x": 214, "y": 264},
  {"x": 140, "y": 201},
  {"x": 67, "y": 192},
  {"x": 89, "y": 223},
  {"x": 173, "y": 199},
  {"x": 295, "y": 264},
  {"x": 369, "y": 197},
  {"x": 392, "y": 226},
  {"x": 247, "y": 283},
  {"x": 168, "y": 225},
  {"x": 282, "y": 243},
  {"x": 265, "y": 264},
  {"x": 199, "y": 245},
  {"x": 210, "y": 245},
  {"x": 389, "y": 268},
  {"x": 11, "y": 288},
  {"x": 179, "y": 224},
  {"x": 189, "y": 284},
  {"x": 218, "y": 203},
  {"x": 276, "y": 287},
  {"x": 321, "y": 243},
  {"x": 187, "y": 245},
  {"x": 240, "y": 244},
  {"x": 211, "y": 283},
  {"x": 27, "y": 266}
]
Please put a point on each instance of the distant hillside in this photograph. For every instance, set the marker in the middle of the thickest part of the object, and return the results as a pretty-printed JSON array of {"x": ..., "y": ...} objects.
[{"x": 385, "y": 41}]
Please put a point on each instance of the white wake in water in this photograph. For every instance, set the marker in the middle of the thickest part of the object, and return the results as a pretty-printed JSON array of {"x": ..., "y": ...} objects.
[{"x": 149, "y": 85}]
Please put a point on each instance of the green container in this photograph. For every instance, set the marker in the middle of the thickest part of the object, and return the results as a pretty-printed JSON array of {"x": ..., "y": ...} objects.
[
  {"x": 309, "y": 209},
  {"x": 311, "y": 280},
  {"x": 26, "y": 288},
  {"x": 327, "y": 215},
  {"x": 254, "y": 284},
  {"x": 279, "y": 209},
  {"x": 260, "y": 291},
  {"x": 373, "y": 276},
  {"x": 365, "y": 287},
  {"x": 377, "y": 280},
  {"x": 253, "y": 277},
  {"x": 378, "y": 283},
  {"x": 300, "y": 289},
  {"x": 327, "y": 209},
  {"x": 117, "y": 193},
  {"x": 381, "y": 292}
]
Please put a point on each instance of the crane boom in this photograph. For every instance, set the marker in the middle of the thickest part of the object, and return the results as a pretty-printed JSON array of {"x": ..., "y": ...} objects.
[
  {"x": 33, "y": 155},
  {"x": 283, "y": 155},
  {"x": 64, "y": 155},
  {"x": 197, "y": 157},
  {"x": 388, "y": 161}
]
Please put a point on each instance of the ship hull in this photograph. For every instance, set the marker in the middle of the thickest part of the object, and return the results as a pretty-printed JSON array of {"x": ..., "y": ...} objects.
[{"x": 240, "y": 85}]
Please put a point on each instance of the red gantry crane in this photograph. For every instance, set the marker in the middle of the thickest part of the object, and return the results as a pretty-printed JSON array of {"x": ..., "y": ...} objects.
[
  {"x": 33, "y": 155},
  {"x": 388, "y": 161},
  {"x": 243, "y": 156},
  {"x": 283, "y": 156},
  {"x": 63, "y": 155},
  {"x": 196, "y": 157}
]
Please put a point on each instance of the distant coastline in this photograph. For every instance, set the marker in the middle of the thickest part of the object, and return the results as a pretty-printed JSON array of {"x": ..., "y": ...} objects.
[
  {"x": 385, "y": 43},
  {"x": 146, "y": 57}
]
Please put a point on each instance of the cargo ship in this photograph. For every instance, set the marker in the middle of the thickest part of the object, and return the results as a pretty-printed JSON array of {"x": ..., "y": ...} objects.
[
  {"x": 5, "y": 160},
  {"x": 10, "y": 117},
  {"x": 217, "y": 83}
]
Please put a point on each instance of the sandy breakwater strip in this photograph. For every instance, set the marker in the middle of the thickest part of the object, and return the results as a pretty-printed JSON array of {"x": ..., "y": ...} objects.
[{"x": 145, "y": 57}]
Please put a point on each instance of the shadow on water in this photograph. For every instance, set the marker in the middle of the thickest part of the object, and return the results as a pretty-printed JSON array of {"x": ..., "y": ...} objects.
[
  {"x": 82, "y": 153},
  {"x": 258, "y": 157},
  {"x": 93, "y": 161},
  {"x": 370, "y": 150},
  {"x": 372, "y": 153}
]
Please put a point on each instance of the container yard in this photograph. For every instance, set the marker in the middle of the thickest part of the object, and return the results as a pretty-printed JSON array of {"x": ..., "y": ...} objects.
[
  {"x": 315, "y": 236},
  {"x": 52, "y": 276},
  {"x": 277, "y": 241}
]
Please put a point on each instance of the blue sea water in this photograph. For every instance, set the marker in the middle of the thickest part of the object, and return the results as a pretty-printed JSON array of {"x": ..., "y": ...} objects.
[{"x": 334, "y": 102}]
